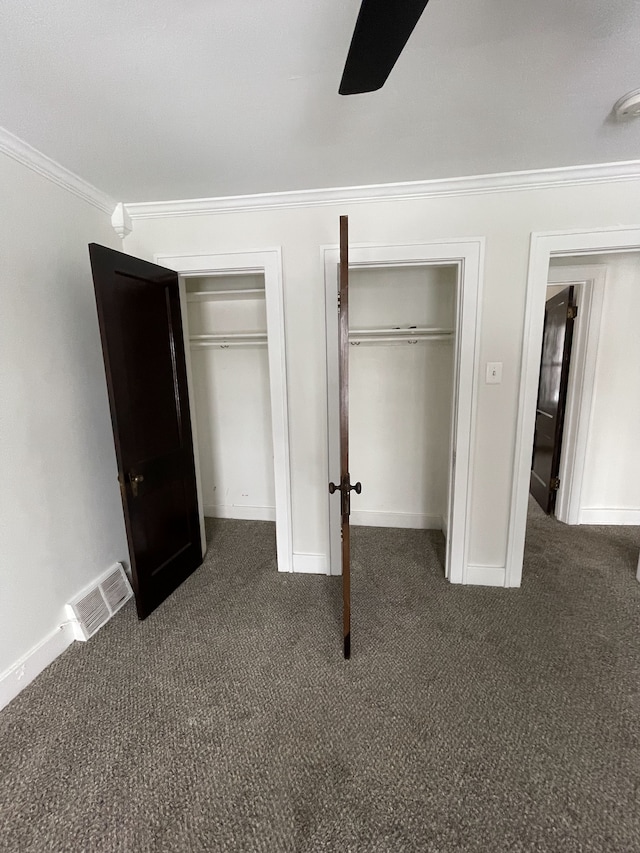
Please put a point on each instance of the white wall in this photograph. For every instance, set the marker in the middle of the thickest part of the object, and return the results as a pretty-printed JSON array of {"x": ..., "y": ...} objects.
[
  {"x": 235, "y": 443},
  {"x": 505, "y": 218},
  {"x": 399, "y": 428},
  {"x": 612, "y": 470},
  {"x": 61, "y": 518}
]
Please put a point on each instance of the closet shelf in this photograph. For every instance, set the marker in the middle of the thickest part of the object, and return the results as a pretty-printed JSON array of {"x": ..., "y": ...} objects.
[
  {"x": 398, "y": 336},
  {"x": 219, "y": 295},
  {"x": 232, "y": 339}
]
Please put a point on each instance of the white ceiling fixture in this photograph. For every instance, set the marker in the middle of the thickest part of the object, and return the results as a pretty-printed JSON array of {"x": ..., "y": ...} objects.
[
  {"x": 628, "y": 106},
  {"x": 160, "y": 99}
]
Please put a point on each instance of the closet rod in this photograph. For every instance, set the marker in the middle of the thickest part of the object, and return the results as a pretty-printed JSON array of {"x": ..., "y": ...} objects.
[
  {"x": 415, "y": 330},
  {"x": 357, "y": 336},
  {"x": 406, "y": 340},
  {"x": 233, "y": 339},
  {"x": 226, "y": 344}
]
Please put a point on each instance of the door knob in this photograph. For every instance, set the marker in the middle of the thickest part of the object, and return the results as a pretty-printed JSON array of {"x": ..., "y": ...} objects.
[
  {"x": 134, "y": 479},
  {"x": 357, "y": 488},
  {"x": 345, "y": 488}
]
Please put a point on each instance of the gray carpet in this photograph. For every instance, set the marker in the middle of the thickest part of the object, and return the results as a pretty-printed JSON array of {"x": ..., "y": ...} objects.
[{"x": 469, "y": 719}]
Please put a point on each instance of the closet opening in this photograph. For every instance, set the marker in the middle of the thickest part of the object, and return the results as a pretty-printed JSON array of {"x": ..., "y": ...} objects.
[
  {"x": 229, "y": 354},
  {"x": 413, "y": 435},
  {"x": 402, "y": 329}
]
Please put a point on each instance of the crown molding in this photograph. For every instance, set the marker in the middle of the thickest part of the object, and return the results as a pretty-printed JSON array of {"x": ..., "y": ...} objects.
[
  {"x": 500, "y": 182},
  {"x": 38, "y": 162}
]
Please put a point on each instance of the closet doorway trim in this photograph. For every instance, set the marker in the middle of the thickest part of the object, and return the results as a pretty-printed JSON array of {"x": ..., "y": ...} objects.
[
  {"x": 267, "y": 262},
  {"x": 468, "y": 256}
]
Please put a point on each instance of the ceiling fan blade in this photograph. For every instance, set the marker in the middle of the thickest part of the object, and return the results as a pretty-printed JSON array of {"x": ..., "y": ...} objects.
[{"x": 382, "y": 30}]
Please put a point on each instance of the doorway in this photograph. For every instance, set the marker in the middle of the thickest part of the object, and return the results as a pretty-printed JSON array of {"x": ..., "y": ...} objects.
[
  {"x": 434, "y": 288},
  {"x": 599, "y": 465},
  {"x": 591, "y": 455},
  {"x": 236, "y": 365},
  {"x": 587, "y": 279}
]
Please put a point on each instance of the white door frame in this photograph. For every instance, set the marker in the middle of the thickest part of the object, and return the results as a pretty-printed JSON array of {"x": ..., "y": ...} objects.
[
  {"x": 589, "y": 282},
  {"x": 468, "y": 256},
  {"x": 267, "y": 262},
  {"x": 543, "y": 247}
]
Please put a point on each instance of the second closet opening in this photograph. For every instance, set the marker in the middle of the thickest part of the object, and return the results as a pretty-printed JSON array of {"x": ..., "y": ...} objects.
[{"x": 402, "y": 323}]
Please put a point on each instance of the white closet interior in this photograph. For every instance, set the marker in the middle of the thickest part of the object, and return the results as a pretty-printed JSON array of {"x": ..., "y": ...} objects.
[
  {"x": 401, "y": 365},
  {"x": 229, "y": 359}
]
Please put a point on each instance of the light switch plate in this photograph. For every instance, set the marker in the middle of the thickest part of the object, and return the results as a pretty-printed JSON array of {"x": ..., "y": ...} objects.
[{"x": 494, "y": 373}]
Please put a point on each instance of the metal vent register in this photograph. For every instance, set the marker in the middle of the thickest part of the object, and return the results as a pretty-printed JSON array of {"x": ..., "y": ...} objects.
[{"x": 93, "y": 607}]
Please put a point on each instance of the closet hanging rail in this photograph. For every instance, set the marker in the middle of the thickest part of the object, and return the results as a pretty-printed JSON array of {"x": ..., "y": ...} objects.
[
  {"x": 409, "y": 336},
  {"x": 233, "y": 339}
]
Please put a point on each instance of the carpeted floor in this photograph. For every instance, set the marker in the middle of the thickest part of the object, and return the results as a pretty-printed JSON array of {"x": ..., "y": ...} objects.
[{"x": 469, "y": 719}]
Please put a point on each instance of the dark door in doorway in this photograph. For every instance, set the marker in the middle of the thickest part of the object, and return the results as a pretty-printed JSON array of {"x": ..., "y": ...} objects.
[
  {"x": 344, "y": 487},
  {"x": 559, "y": 316},
  {"x": 141, "y": 331}
]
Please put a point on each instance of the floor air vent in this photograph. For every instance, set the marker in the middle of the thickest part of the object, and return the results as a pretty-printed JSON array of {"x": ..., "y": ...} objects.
[
  {"x": 116, "y": 589},
  {"x": 96, "y": 605}
]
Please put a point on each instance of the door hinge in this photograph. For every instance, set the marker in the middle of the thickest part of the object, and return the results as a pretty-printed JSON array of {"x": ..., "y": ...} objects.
[
  {"x": 339, "y": 300},
  {"x": 555, "y": 484},
  {"x": 572, "y": 312}
]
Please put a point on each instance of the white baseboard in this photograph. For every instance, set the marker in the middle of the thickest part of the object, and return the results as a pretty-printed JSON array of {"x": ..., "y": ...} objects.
[
  {"x": 609, "y": 516},
  {"x": 485, "y": 575},
  {"x": 23, "y": 671},
  {"x": 311, "y": 564},
  {"x": 416, "y": 521},
  {"x": 444, "y": 526},
  {"x": 246, "y": 513}
]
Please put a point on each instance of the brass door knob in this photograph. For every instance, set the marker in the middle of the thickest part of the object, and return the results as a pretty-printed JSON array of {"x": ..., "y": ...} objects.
[{"x": 134, "y": 479}]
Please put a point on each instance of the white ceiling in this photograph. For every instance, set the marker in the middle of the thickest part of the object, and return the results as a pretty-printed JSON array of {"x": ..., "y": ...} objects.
[{"x": 164, "y": 99}]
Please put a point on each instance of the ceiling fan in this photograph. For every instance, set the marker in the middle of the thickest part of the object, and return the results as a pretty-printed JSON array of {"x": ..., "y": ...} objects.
[{"x": 382, "y": 30}]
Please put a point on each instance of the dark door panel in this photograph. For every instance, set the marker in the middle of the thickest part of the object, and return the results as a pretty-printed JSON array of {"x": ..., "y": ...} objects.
[
  {"x": 560, "y": 312},
  {"x": 344, "y": 488},
  {"x": 142, "y": 342}
]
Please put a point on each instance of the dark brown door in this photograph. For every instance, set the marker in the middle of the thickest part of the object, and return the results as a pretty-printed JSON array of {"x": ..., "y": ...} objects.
[
  {"x": 142, "y": 344},
  {"x": 345, "y": 487},
  {"x": 560, "y": 312}
]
